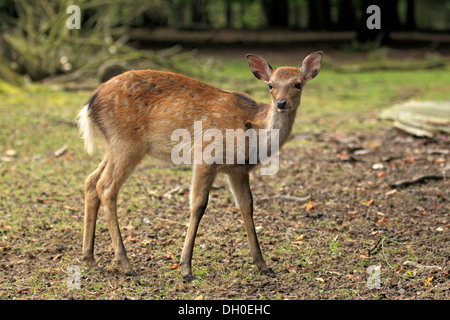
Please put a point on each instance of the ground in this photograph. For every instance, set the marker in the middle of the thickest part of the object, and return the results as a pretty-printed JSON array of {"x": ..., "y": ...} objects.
[{"x": 329, "y": 215}]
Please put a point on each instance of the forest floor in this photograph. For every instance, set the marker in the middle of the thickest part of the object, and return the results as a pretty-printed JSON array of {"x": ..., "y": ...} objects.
[{"x": 344, "y": 218}]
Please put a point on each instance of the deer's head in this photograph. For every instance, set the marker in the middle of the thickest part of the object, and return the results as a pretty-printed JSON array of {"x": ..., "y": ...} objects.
[{"x": 285, "y": 83}]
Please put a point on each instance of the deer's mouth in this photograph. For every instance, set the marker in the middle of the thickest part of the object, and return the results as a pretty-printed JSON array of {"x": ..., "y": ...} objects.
[{"x": 283, "y": 109}]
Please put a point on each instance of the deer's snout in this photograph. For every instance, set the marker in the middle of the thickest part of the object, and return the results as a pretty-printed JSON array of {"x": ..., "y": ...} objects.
[{"x": 281, "y": 104}]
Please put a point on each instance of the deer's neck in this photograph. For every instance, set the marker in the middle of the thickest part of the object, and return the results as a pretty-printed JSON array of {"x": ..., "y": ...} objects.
[{"x": 283, "y": 121}]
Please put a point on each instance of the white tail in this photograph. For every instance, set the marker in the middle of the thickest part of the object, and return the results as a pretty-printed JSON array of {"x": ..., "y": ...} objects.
[{"x": 87, "y": 128}]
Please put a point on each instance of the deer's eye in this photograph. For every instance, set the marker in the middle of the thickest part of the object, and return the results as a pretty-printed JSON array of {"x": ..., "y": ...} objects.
[
  {"x": 298, "y": 85},
  {"x": 270, "y": 86}
]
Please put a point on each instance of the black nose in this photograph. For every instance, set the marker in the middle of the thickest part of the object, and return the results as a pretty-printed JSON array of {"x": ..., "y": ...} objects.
[{"x": 281, "y": 104}]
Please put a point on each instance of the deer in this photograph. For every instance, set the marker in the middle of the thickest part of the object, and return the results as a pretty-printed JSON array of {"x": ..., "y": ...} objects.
[{"x": 135, "y": 113}]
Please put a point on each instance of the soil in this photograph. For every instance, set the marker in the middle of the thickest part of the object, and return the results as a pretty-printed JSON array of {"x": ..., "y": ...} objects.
[{"x": 342, "y": 216}]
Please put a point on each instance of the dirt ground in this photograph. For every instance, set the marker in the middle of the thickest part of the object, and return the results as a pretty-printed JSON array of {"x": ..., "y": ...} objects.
[{"x": 332, "y": 211}]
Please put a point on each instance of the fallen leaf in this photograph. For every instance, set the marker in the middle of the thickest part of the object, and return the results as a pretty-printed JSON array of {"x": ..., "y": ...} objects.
[
  {"x": 410, "y": 159},
  {"x": 377, "y": 166},
  {"x": 131, "y": 237},
  {"x": 299, "y": 238},
  {"x": 309, "y": 206},
  {"x": 368, "y": 203},
  {"x": 11, "y": 152},
  {"x": 382, "y": 220},
  {"x": 174, "y": 266},
  {"x": 382, "y": 174},
  {"x": 427, "y": 282},
  {"x": 169, "y": 255},
  {"x": 389, "y": 193},
  {"x": 60, "y": 151},
  {"x": 57, "y": 257},
  {"x": 200, "y": 297},
  {"x": 291, "y": 269},
  {"x": 320, "y": 280}
]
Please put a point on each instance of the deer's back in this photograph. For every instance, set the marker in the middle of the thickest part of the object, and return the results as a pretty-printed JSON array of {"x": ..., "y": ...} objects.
[{"x": 145, "y": 107}]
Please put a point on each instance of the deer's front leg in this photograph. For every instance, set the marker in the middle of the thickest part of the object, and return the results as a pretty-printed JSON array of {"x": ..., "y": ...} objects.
[
  {"x": 202, "y": 180},
  {"x": 240, "y": 186}
]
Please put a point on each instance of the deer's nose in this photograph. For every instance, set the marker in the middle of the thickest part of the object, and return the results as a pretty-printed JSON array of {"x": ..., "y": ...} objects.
[{"x": 281, "y": 104}]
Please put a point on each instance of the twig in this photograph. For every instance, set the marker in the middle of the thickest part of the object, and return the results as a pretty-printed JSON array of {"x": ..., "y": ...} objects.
[
  {"x": 404, "y": 183},
  {"x": 287, "y": 198}
]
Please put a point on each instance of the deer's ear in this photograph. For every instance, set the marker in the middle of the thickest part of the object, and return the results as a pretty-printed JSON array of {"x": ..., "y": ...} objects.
[
  {"x": 260, "y": 68},
  {"x": 311, "y": 65}
]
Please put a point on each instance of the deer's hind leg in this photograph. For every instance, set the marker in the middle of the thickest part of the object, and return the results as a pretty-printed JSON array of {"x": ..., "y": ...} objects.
[
  {"x": 118, "y": 168},
  {"x": 92, "y": 204}
]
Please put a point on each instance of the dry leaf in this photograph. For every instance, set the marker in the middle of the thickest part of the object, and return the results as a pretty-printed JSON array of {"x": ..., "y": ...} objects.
[
  {"x": 57, "y": 257},
  {"x": 309, "y": 206},
  {"x": 427, "y": 282},
  {"x": 382, "y": 220},
  {"x": 389, "y": 193},
  {"x": 11, "y": 152},
  {"x": 131, "y": 237},
  {"x": 200, "y": 297},
  {"x": 174, "y": 266},
  {"x": 60, "y": 151},
  {"x": 291, "y": 269},
  {"x": 299, "y": 238},
  {"x": 169, "y": 255},
  {"x": 320, "y": 280}
]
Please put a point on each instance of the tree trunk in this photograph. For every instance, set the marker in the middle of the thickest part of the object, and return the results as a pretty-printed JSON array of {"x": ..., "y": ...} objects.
[
  {"x": 229, "y": 14},
  {"x": 276, "y": 13},
  {"x": 346, "y": 15},
  {"x": 314, "y": 18},
  {"x": 199, "y": 12},
  {"x": 319, "y": 15},
  {"x": 410, "y": 15}
]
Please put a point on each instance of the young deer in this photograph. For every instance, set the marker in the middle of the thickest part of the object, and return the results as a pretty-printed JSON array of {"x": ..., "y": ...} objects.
[{"x": 136, "y": 114}]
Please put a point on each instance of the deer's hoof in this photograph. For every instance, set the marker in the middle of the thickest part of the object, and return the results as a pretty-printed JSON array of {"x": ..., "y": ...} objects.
[
  {"x": 268, "y": 272},
  {"x": 189, "y": 278},
  {"x": 131, "y": 273}
]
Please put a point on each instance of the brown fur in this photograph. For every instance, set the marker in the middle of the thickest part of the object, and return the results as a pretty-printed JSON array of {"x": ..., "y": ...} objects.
[{"x": 136, "y": 113}]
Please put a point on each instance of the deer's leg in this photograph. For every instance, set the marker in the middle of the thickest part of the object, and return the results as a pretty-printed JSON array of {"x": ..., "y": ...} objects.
[
  {"x": 117, "y": 170},
  {"x": 240, "y": 186},
  {"x": 202, "y": 180},
  {"x": 92, "y": 204}
]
